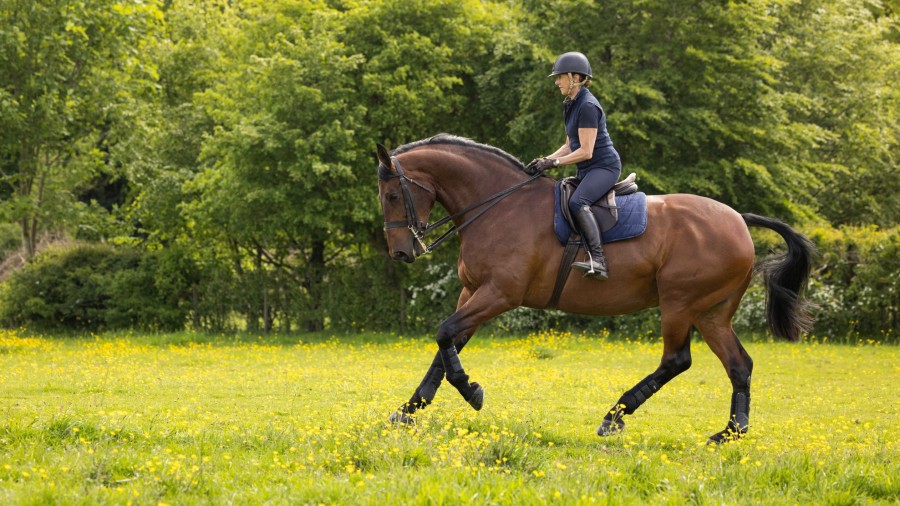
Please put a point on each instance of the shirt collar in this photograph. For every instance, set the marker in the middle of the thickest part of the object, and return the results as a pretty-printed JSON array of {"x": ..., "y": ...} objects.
[{"x": 578, "y": 96}]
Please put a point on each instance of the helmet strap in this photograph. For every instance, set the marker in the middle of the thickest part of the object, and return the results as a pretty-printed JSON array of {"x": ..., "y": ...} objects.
[{"x": 572, "y": 84}]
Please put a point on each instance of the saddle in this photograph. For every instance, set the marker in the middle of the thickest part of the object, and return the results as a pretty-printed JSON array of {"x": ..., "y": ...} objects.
[
  {"x": 605, "y": 209},
  {"x": 620, "y": 219}
]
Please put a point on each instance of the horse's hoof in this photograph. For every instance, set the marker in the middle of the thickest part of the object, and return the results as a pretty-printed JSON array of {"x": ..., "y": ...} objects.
[
  {"x": 725, "y": 436},
  {"x": 400, "y": 418},
  {"x": 611, "y": 428},
  {"x": 477, "y": 398}
]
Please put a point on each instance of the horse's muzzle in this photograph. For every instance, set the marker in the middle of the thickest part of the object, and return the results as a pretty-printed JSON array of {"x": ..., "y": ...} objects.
[{"x": 404, "y": 256}]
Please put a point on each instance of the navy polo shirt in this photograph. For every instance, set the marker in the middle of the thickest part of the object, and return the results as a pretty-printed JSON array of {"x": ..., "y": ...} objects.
[{"x": 584, "y": 111}]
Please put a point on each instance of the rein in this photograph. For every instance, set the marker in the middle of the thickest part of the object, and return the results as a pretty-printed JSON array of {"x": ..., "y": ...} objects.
[{"x": 420, "y": 230}]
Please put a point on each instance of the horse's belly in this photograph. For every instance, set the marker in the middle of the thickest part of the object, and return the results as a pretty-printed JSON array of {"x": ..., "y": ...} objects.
[{"x": 607, "y": 298}]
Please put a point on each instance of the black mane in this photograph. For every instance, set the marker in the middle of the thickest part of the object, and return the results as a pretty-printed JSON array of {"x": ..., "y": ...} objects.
[{"x": 452, "y": 140}]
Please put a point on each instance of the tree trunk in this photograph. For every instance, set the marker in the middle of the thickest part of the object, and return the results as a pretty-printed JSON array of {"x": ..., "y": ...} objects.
[
  {"x": 267, "y": 310},
  {"x": 314, "y": 274},
  {"x": 195, "y": 303}
]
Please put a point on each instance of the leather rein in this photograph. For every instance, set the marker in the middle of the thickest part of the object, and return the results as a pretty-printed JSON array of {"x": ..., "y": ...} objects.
[{"x": 421, "y": 229}]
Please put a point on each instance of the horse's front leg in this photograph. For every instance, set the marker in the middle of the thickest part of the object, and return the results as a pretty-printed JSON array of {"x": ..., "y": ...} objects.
[
  {"x": 473, "y": 309},
  {"x": 485, "y": 303},
  {"x": 425, "y": 392}
]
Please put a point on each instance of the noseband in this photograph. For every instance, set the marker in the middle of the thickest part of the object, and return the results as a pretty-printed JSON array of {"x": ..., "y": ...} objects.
[{"x": 420, "y": 229}]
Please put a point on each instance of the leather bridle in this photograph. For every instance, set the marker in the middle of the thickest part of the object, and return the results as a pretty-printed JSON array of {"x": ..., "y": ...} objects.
[{"x": 420, "y": 229}]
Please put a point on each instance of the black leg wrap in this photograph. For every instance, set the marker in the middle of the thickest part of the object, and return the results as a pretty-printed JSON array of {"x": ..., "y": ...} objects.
[
  {"x": 671, "y": 366},
  {"x": 423, "y": 395},
  {"x": 472, "y": 393},
  {"x": 632, "y": 399},
  {"x": 453, "y": 368},
  {"x": 426, "y": 391},
  {"x": 738, "y": 420}
]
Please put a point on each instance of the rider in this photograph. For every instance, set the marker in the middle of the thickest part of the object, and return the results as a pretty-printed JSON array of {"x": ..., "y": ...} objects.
[{"x": 589, "y": 147}]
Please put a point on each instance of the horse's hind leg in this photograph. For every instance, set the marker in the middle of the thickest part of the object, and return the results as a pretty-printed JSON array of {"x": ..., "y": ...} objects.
[
  {"x": 719, "y": 335},
  {"x": 676, "y": 359}
]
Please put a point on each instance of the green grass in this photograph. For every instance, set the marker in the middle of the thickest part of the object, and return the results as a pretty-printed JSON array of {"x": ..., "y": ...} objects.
[{"x": 182, "y": 419}]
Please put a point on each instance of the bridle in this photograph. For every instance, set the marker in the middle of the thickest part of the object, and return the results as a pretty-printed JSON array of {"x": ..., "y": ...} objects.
[
  {"x": 421, "y": 229},
  {"x": 418, "y": 228}
]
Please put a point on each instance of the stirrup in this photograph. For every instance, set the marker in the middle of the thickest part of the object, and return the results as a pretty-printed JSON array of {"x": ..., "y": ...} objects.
[
  {"x": 596, "y": 274},
  {"x": 591, "y": 272}
]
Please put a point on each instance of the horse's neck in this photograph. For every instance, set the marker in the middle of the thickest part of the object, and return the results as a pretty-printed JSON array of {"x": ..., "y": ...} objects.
[{"x": 463, "y": 181}]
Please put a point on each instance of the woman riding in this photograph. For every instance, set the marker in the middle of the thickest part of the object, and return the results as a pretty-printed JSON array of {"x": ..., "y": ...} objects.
[{"x": 589, "y": 147}]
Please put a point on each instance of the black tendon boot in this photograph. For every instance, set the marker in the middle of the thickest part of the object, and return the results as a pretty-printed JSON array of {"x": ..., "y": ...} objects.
[
  {"x": 739, "y": 421},
  {"x": 596, "y": 264}
]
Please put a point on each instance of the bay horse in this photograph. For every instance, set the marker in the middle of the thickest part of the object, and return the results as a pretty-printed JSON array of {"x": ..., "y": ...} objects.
[{"x": 695, "y": 261}]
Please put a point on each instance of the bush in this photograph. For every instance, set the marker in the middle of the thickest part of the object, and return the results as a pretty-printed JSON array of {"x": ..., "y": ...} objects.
[
  {"x": 96, "y": 287},
  {"x": 853, "y": 287},
  {"x": 857, "y": 285}
]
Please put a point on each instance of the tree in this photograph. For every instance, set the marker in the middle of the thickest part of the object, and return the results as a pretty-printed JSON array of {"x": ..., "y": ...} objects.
[
  {"x": 288, "y": 175},
  {"x": 689, "y": 95},
  {"x": 840, "y": 77},
  {"x": 67, "y": 73}
]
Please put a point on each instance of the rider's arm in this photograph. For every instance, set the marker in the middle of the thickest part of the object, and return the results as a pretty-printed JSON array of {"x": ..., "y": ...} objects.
[
  {"x": 587, "y": 137},
  {"x": 564, "y": 150}
]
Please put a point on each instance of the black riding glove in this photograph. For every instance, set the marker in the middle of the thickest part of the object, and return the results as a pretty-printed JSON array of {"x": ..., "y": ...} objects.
[{"x": 540, "y": 165}]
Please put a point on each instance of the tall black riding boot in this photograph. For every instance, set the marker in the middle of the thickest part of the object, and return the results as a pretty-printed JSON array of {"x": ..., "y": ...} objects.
[{"x": 596, "y": 264}]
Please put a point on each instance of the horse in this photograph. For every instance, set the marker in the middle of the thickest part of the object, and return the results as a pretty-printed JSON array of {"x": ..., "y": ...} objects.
[{"x": 694, "y": 261}]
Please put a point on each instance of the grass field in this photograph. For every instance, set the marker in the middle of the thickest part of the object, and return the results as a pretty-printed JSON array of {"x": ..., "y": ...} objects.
[{"x": 180, "y": 420}]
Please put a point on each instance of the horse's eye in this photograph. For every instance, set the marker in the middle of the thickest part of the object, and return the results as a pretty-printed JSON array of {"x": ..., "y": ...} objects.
[{"x": 393, "y": 197}]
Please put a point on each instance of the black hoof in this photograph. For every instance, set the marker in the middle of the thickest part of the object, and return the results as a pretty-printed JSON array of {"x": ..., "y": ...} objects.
[
  {"x": 477, "y": 398},
  {"x": 611, "y": 428},
  {"x": 726, "y": 436},
  {"x": 400, "y": 418}
]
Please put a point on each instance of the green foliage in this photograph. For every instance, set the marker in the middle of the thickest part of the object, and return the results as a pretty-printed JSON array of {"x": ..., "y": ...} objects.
[
  {"x": 68, "y": 72},
  {"x": 743, "y": 102},
  {"x": 838, "y": 87},
  {"x": 854, "y": 288},
  {"x": 237, "y": 136},
  {"x": 96, "y": 287},
  {"x": 10, "y": 239},
  {"x": 857, "y": 285}
]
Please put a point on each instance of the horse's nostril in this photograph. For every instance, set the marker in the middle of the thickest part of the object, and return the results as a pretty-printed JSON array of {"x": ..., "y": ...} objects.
[{"x": 401, "y": 255}]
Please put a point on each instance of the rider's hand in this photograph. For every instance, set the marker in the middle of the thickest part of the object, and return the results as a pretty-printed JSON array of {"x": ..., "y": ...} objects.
[{"x": 540, "y": 165}]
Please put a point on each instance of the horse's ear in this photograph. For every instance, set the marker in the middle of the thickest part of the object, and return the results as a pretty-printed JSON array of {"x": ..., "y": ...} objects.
[{"x": 384, "y": 158}]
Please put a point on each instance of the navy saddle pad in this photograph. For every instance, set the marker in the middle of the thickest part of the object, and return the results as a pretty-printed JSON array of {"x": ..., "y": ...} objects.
[{"x": 632, "y": 220}]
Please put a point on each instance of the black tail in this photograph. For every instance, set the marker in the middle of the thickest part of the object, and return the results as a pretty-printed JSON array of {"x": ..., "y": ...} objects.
[{"x": 787, "y": 313}]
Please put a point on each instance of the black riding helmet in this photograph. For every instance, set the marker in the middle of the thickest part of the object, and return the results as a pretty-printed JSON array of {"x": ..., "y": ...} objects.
[{"x": 572, "y": 62}]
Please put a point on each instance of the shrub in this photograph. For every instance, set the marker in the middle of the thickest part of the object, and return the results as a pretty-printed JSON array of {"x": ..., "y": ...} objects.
[
  {"x": 97, "y": 287},
  {"x": 857, "y": 284},
  {"x": 853, "y": 287}
]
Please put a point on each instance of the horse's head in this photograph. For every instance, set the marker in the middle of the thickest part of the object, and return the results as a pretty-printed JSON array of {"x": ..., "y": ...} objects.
[{"x": 406, "y": 204}]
